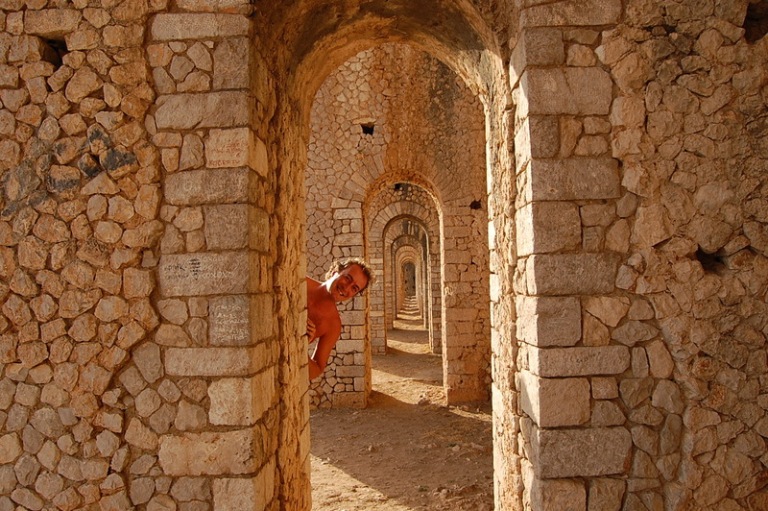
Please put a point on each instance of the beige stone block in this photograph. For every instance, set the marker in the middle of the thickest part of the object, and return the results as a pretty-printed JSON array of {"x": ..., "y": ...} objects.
[
  {"x": 197, "y": 187},
  {"x": 568, "y": 91},
  {"x": 204, "y": 273},
  {"x": 10, "y": 448},
  {"x": 229, "y": 148},
  {"x": 350, "y": 371},
  {"x": 549, "y": 321},
  {"x": 558, "y": 495},
  {"x": 577, "y": 178},
  {"x": 555, "y": 402},
  {"x": 571, "y": 274},
  {"x": 352, "y": 239},
  {"x": 544, "y": 227},
  {"x": 138, "y": 283},
  {"x": 168, "y": 27},
  {"x": 609, "y": 310},
  {"x": 214, "y": 361},
  {"x": 578, "y": 361},
  {"x": 246, "y": 493},
  {"x": 585, "y": 12},
  {"x": 227, "y": 226},
  {"x": 139, "y": 435},
  {"x": 210, "y": 110},
  {"x": 350, "y": 346},
  {"x": 587, "y": 452},
  {"x": 51, "y": 23},
  {"x": 241, "y": 401},
  {"x": 229, "y": 321},
  {"x": 230, "y": 453},
  {"x": 605, "y": 494}
]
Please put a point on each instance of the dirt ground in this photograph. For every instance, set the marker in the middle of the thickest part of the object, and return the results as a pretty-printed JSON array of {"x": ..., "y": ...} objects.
[{"x": 406, "y": 451}]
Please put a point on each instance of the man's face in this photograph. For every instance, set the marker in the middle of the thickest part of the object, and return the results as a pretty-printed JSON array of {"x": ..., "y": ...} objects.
[{"x": 348, "y": 282}]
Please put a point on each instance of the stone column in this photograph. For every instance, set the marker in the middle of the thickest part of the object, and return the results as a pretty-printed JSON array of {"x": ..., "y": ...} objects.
[
  {"x": 215, "y": 255},
  {"x": 569, "y": 448}
]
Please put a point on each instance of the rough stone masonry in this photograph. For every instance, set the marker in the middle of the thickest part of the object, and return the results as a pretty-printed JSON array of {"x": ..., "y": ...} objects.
[{"x": 581, "y": 185}]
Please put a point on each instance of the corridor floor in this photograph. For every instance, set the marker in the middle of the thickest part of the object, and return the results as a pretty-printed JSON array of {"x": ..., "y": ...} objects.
[{"x": 406, "y": 451}]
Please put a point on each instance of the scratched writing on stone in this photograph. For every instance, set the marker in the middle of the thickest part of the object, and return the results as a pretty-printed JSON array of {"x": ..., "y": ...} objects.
[
  {"x": 229, "y": 322},
  {"x": 228, "y": 153}
]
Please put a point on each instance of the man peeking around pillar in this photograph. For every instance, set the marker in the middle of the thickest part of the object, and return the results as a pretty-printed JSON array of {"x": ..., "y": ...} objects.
[{"x": 344, "y": 281}]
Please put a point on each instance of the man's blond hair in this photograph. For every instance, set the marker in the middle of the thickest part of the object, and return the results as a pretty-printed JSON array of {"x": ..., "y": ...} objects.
[{"x": 339, "y": 265}]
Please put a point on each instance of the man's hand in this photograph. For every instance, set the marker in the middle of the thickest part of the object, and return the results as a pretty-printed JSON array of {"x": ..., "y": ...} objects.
[{"x": 310, "y": 330}]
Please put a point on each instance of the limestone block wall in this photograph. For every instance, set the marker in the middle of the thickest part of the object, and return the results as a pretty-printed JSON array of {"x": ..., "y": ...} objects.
[
  {"x": 641, "y": 268},
  {"x": 139, "y": 362},
  {"x": 378, "y": 127}
]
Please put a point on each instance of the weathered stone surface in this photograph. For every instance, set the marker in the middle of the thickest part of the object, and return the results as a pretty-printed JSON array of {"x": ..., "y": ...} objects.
[
  {"x": 229, "y": 322},
  {"x": 605, "y": 494},
  {"x": 567, "y": 91},
  {"x": 558, "y": 494},
  {"x": 212, "y": 361},
  {"x": 577, "y": 361},
  {"x": 231, "y": 494},
  {"x": 227, "y": 226},
  {"x": 549, "y": 321},
  {"x": 548, "y": 227},
  {"x": 207, "y": 187},
  {"x": 233, "y": 400},
  {"x": 231, "y": 453},
  {"x": 212, "y": 110},
  {"x": 570, "y": 274},
  {"x": 581, "y": 452},
  {"x": 591, "y": 12},
  {"x": 169, "y": 27},
  {"x": 578, "y": 178},
  {"x": 204, "y": 274},
  {"x": 555, "y": 402},
  {"x": 51, "y": 23}
]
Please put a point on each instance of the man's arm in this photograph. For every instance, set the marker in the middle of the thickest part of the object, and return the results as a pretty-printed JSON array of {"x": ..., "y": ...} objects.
[{"x": 319, "y": 359}]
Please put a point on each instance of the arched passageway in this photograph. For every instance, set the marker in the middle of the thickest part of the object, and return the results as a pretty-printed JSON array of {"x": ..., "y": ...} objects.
[{"x": 153, "y": 242}]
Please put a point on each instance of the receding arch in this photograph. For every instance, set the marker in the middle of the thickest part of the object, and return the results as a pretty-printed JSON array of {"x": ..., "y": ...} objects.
[{"x": 285, "y": 129}]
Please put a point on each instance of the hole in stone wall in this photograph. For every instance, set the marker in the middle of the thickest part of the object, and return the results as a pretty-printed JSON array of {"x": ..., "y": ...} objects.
[
  {"x": 711, "y": 263},
  {"x": 54, "y": 51},
  {"x": 475, "y": 204},
  {"x": 368, "y": 128},
  {"x": 756, "y": 21}
]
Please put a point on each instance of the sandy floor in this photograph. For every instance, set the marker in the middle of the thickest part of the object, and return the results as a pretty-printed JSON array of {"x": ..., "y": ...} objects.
[{"x": 405, "y": 452}]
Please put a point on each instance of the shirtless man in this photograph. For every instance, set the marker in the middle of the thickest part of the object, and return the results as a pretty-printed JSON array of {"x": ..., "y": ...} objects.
[{"x": 343, "y": 282}]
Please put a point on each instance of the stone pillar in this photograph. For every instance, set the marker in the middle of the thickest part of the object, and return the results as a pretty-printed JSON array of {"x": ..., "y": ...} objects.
[
  {"x": 212, "y": 273},
  {"x": 466, "y": 313},
  {"x": 570, "y": 448}
]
